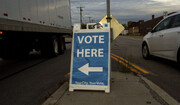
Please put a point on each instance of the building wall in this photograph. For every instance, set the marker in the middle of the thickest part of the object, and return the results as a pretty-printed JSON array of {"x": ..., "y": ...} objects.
[
  {"x": 149, "y": 24},
  {"x": 133, "y": 30}
]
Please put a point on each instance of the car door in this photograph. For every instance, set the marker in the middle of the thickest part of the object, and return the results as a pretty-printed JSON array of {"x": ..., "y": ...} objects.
[
  {"x": 171, "y": 38},
  {"x": 156, "y": 41}
]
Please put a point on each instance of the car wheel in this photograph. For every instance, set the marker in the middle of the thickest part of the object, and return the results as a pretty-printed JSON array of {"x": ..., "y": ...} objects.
[
  {"x": 145, "y": 51},
  {"x": 55, "y": 47},
  {"x": 62, "y": 46},
  {"x": 49, "y": 46}
]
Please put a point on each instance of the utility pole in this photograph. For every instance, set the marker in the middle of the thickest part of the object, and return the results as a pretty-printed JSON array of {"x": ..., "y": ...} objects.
[
  {"x": 109, "y": 18},
  {"x": 81, "y": 9},
  {"x": 108, "y": 12}
]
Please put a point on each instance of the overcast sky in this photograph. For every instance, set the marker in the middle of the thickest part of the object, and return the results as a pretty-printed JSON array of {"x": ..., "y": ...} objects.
[{"x": 122, "y": 10}]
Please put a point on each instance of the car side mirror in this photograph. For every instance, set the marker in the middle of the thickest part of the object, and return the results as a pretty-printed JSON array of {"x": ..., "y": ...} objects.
[{"x": 149, "y": 29}]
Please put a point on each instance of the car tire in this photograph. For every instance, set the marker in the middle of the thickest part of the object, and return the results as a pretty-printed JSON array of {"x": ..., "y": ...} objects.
[
  {"x": 55, "y": 46},
  {"x": 49, "y": 46},
  {"x": 62, "y": 46},
  {"x": 145, "y": 51}
]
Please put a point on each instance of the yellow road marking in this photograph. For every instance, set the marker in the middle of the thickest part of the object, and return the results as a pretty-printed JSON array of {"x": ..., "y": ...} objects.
[
  {"x": 126, "y": 65},
  {"x": 133, "y": 65}
]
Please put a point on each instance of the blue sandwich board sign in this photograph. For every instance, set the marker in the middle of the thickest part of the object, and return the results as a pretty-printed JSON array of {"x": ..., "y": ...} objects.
[{"x": 90, "y": 59}]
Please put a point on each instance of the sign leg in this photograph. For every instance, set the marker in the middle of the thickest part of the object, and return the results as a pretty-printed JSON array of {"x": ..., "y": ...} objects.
[
  {"x": 107, "y": 91},
  {"x": 71, "y": 90}
]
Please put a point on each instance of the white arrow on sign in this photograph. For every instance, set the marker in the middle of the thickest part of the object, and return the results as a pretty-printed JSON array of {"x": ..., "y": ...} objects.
[{"x": 86, "y": 69}]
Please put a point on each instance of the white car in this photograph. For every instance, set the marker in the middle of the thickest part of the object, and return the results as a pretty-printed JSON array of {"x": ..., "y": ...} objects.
[{"x": 164, "y": 39}]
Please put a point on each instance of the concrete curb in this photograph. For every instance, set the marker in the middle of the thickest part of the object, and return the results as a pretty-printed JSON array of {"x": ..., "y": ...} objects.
[
  {"x": 165, "y": 96},
  {"x": 53, "y": 99}
]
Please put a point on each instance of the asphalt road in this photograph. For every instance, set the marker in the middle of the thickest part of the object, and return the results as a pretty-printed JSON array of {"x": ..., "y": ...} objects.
[
  {"x": 30, "y": 81},
  {"x": 163, "y": 73}
]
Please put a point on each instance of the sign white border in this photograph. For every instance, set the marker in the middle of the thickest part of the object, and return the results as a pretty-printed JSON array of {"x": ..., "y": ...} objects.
[{"x": 73, "y": 87}]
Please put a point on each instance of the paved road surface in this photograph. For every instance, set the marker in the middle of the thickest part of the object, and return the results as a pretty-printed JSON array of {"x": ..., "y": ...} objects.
[
  {"x": 163, "y": 72},
  {"x": 31, "y": 85},
  {"x": 28, "y": 82}
]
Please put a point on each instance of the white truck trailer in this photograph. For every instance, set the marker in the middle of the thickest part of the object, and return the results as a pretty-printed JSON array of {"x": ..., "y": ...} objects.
[{"x": 34, "y": 24}]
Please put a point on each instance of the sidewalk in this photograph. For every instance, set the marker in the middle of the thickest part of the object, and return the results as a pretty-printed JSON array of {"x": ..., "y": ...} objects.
[{"x": 126, "y": 89}]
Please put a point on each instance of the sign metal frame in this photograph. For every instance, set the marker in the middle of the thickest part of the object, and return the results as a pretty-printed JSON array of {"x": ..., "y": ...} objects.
[{"x": 105, "y": 88}]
